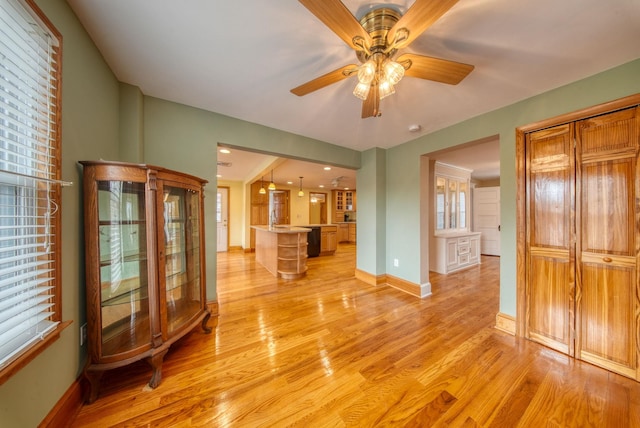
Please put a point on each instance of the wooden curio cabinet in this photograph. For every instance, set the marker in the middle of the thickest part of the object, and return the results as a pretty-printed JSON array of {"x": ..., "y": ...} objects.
[{"x": 145, "y": 265}]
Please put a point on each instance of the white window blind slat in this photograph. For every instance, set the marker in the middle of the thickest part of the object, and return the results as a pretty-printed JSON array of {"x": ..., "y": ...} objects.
[
  {"x": 23, "y": 85},
  {"x": 29, "y": 179},
  {"x": 15, "y": 279},
  {"x": 24, "y": 126},
  {"x": 32, "y": 286},
  {"x": 23, "y": 164},
  {"x": 23, "y": 62},
  {"x": 27, "y": 247},
  {"x": 10, "y": 348},
  {"x": 14, "y": 311},
  {"x": 37, "y": 39}
]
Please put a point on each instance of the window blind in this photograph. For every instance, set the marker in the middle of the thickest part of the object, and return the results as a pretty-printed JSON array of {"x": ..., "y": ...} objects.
[{"x": 29, "y": 186}]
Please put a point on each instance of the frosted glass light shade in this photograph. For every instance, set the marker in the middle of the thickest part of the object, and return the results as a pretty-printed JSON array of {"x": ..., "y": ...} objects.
[
  {"x": 393, "y": 71},
  {"x": 362, "y": 90},
  {"x": 366, "y": 72},
  {"x": 385, "y": 89}
]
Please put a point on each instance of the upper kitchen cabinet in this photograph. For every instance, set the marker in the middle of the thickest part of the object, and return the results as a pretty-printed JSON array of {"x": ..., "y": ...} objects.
[{"x": 343, "y": 202}]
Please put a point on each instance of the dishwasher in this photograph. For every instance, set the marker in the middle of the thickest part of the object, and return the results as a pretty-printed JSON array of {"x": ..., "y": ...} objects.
[{"x": 313, "y": 241}]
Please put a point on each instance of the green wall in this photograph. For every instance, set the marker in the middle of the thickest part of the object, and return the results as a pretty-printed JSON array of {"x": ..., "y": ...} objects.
[
  {"x": 403, "y": 165},
  {"x": 371, "y": 207}
]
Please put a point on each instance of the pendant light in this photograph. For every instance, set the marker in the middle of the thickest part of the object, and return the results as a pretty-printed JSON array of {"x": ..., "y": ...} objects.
[
  {"x": 272, "y": 186},
  {"x": 300, "y": 192},
  {"x": 262, "y": 190}
]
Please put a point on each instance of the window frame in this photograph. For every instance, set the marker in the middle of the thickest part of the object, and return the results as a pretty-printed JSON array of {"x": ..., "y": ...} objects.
[{"x": 29, "y": 353}]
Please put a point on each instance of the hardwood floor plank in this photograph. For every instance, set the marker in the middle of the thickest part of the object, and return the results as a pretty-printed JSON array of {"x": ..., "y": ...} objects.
[{"x": 329, "y": 350}]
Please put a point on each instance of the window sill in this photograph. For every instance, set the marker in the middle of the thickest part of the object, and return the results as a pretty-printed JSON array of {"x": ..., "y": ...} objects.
[{"x": 32, "y": 352}]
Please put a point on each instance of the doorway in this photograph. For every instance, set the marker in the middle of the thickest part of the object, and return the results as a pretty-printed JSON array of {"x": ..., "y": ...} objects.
[
  {"x": 482, "y": 158},
  {"x": 486, "y": 219},
  {"x": 317, "y": 208},
  {"x": 222, "y": 219}
]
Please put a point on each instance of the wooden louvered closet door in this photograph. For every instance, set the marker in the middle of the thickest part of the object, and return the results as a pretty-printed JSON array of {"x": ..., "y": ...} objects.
[
  {"x": 550, "y": 230},
  {"x": 607, "y": 248},
  {"x": 583, "y": 222}
]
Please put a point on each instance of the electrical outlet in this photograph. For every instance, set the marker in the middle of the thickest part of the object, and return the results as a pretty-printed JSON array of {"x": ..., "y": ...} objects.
[
  {"x": 83, "y": 334},
  {"x": 396, "y": 263}
]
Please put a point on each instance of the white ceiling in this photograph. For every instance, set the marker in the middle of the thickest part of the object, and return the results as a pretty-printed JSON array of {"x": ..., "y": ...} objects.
[{"x": 241, "y": 58}]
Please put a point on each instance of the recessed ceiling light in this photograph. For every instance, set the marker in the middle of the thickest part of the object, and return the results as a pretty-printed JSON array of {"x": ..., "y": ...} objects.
[
  {"x": 414, "y": 128},
  {"x": 327, "y": 168},
  {"x": 218, "y": 176},
  {"x": 289, "y": 182},
  {"x": 321, "y": 186},
  {"x": 225, "y": 151}
]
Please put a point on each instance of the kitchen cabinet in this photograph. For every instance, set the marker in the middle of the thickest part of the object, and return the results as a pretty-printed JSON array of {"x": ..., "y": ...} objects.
[
  {"x": 347, "y": 232},
  {"x": 145, "y": 264},
  {"x": 343, "y": 232},
  {"x": 455, "y": 251},
  {"x": 328, "y": 240},
  {"x": 343, "y": 201},
  {"x": 352, "y": 232}
]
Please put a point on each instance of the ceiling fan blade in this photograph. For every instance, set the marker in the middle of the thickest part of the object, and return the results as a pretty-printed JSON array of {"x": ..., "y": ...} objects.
[
  {"x": 439, "y": 70},
  {"x": 324, "y": 80},
  {"x": 420, "y": 16},
  {"x": 335, "y": 15},
  {"x": 371, "y": 106}
]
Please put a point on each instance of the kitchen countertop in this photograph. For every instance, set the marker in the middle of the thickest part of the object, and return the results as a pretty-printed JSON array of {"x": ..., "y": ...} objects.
[{"x": 282, "y": 228}]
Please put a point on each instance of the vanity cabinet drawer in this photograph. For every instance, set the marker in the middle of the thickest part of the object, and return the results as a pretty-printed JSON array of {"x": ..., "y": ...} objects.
[{"x": 464, "y": 249}]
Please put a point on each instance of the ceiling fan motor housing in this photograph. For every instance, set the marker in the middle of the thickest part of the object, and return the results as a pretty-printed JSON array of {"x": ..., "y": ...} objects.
[{"x": 377, "y": 23}]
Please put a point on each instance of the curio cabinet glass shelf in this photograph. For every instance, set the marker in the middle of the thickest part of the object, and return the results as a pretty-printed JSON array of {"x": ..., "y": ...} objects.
[{"x": 145, "y": 272}]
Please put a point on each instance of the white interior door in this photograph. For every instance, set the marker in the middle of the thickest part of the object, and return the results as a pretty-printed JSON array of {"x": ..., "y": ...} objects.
[
  {"x": 222, "y": 216},
  {"x": 486, "y": 218}
]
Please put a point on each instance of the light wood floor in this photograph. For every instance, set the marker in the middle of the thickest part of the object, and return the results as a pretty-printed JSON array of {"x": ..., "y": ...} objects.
[{"x": 331, "y": 351}]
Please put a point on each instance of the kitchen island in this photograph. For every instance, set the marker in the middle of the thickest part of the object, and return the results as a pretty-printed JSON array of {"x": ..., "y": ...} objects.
[{"x": 282, "y": 250}]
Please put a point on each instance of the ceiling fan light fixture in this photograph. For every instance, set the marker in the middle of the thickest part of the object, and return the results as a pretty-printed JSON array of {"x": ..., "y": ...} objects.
[
  {"x": 385, "y": 89},
  {"x": 366, "y": 72},
  {"x": 393, "y": 71},
  {"x": 362, "y": 90}
]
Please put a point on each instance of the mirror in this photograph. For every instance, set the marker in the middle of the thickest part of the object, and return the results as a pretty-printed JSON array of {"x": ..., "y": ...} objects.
[{"x": 317, "y": 208}]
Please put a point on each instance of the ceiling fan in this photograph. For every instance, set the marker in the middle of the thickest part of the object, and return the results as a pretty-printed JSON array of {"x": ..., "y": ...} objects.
[{"x": 376, "y": 38}]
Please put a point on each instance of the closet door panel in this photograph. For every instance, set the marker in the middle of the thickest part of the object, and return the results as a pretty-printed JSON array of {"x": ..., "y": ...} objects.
[
  {"x": 608, "y": 321},
  {"x": 608, "y": 307},
  {"x": 607, "y": 213},
  {"x": 550, "y": 227},
  {"x": 550, "y": 258},
  {"x": 550, "y": 295}
]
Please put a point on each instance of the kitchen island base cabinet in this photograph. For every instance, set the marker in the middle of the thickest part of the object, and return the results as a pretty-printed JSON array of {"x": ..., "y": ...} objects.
[
  {"x": 282, "y": 250},
  {"x": 455, "y": 251}
]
